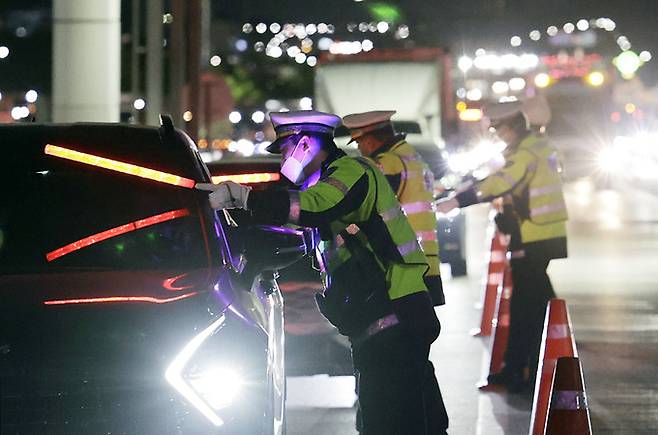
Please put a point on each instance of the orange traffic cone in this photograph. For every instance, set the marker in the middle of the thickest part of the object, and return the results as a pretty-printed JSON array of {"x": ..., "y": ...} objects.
[
  {"x": 496, "y": 268},
  {"x": 557, "y": 341},
  {"x": 501, "y": 333},
  {"x": 569, "y": 413}
]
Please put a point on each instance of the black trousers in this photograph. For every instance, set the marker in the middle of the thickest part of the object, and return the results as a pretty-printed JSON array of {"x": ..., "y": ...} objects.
[
  {"x": 531, "y": 293},
  {"x": 398, "y": 391}
]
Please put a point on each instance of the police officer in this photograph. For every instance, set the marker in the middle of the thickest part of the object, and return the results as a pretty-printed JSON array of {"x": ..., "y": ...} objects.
[
  {"x": 373, "y": 266},
  {"x": 413, "y": 183},
  {"x": 411, "y": 180},
  {"x": 536, "y": 222}
]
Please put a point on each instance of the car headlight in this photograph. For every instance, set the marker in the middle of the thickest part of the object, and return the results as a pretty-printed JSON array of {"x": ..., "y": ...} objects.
[
  {"x": 208, "y": 391},
  {"x": 610, "y": 160},
  {"x": 218, "y": 386}
]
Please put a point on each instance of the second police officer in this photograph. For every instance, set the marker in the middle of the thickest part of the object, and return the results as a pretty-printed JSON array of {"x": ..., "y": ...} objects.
[
  {"x": 373, "y": 266},
  {"x": 535, "y": 219}
]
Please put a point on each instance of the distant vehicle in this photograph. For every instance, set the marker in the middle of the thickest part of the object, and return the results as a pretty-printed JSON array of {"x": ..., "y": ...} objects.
[{"x": 128, "y": 304}]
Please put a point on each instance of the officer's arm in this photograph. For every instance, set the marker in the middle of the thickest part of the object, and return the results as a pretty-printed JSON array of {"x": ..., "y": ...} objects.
[
  {"x": 392, "y": 167},
  {"x": 342, "y": 192},
  {"x": 499, "y": 183}
]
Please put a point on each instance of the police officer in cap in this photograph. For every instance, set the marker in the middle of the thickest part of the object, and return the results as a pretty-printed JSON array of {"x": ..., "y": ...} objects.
[
  {"x": 411, "y": 180},
  {"x": 536, "y": 222},
  {"x": 372, "y": 264}
]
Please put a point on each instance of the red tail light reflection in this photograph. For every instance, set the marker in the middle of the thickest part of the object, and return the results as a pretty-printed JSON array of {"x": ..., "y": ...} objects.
[
  {"x": 116, "y": 299},
  {"x": 116, "y": 231},
  {"x": 169, "y": 283}
]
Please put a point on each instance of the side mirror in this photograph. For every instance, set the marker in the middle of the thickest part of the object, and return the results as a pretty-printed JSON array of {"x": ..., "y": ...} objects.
[{"x": 272, "y": 248}]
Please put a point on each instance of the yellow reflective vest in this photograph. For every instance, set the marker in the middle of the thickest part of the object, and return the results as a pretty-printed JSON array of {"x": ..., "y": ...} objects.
[
  {"x": 413, "y": 188},
  {"x": 532, "y": 176}
]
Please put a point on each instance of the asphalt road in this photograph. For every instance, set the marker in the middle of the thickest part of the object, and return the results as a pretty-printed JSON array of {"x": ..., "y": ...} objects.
[{"x": 610, "y": 283}]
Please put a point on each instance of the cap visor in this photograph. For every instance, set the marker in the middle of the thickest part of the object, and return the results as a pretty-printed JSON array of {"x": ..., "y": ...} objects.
[{"x": 275, "y": 147}]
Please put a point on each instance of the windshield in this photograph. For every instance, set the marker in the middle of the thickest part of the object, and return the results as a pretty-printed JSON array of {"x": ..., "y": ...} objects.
[{"x": 62, "y": 215}]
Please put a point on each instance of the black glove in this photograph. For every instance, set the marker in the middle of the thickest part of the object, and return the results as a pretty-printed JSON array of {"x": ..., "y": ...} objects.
[{"x": 505, "y": 223}]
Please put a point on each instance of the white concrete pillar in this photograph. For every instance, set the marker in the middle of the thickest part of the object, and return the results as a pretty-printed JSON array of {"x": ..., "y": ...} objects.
[
  {"x": 86, "y": 60},
  {"x": 154, "y": 66}
]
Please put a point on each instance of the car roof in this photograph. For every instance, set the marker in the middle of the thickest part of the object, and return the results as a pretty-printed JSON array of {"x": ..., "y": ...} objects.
[{"x": 23, "y": 144}]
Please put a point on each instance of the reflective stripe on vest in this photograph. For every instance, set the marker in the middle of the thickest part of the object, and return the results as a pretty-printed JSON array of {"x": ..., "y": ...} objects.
[
  {"x": 391, "y": 213},
  {"x": 546, "y": 209},
  {"x": 418, "y": 207},
  {"x": 409, "y": 247},
  {"x": 539, "y": 191}
]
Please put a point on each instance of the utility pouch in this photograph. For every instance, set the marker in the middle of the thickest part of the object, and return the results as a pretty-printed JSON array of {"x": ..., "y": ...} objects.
[{"x": 357, "y": 293}]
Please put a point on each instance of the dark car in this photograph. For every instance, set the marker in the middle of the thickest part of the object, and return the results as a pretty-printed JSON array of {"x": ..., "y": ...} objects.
[{"x": 128, "y": 304}]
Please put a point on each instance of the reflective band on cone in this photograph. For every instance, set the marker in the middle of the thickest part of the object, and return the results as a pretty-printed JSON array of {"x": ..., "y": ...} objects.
[
  {"x": 569, "y": 411},
  {"x": 557, "y": 341}
]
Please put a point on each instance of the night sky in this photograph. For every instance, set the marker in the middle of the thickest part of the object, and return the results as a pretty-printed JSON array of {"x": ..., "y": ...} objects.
[{"x": 462, "y": 25}]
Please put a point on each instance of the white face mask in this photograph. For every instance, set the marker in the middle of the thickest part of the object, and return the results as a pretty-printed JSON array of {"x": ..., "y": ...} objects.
[{"x": 293, "y": 169}]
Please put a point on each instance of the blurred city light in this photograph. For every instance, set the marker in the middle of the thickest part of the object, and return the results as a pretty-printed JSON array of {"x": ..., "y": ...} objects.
[
  {"x": 274, "y": 51},
  {"x": 241, "y": 45},
  {"x": 500, "y": 87},
  {"x": 516, "y": 83},
  {"x": 31, "y": 96},
  {"x": 139, "y": 104},
  {"x": 582, "y": 25},
  {"x": 465, "y": 63},
  {"x": 20, "y": 112},
  {"x": 402, "y": 32},
  {"x": 535, "y": 35},
  {"x": 258, "y": 117},
  {"x": 300, "y": 58},
  {"x": 568, "y": 28},
  {"x": 627, "y": 63},
  {"x": 645, "y": 56},
  {"x": 247, "y": 28},
  {"x": 551, "y": 30},
  {"x": 367, "y": 45},
  {"x": 261, "y": 28},
  {"x": 470, "y": 115},
  {"x": 4, "y": 52},
  {"x": 325, "y": 43},
  {"x": 623, "y": 43},
  {"x": 382, "y": 27},
  {"x": 306, "y": 103},
  {"x": 311, "y": 29},
  {"x": 542, "y": 80},
  {"x": 515, "y": 41},
  {"x": 215, "y": 60},
  {"x": 275, "y": 27},
  {"x": 474, "y": 94},
  {"x": 234, "y": 117},
  {"x": 187, "y": 116},
  {"x": 595, "y": 78},
  {"x": 630, "y": 108},
  {"x": 311, "y": 61}
]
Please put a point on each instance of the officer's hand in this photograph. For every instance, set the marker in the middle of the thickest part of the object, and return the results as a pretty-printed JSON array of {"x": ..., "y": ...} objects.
[
  {"x": 445, "y": 205},
  {"x": 226, "y": 194}
]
